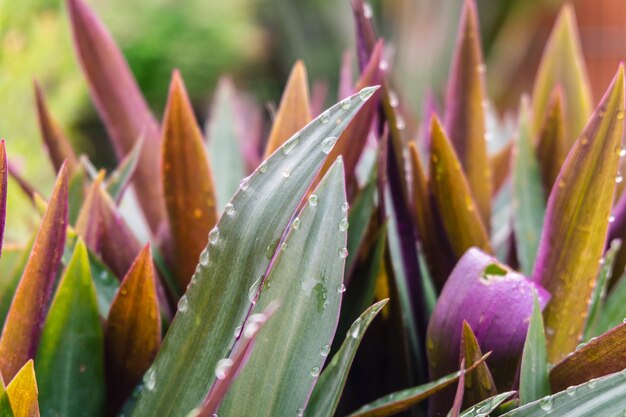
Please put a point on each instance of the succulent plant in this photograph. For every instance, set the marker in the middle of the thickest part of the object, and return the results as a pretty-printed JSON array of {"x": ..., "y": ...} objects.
[{"x": 494, "y": 264}]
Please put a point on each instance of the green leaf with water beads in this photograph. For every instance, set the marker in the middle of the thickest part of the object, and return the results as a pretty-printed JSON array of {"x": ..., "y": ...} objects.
[
  {"x": 534, "y": 382},
  {"x": 485, "y": 407}
]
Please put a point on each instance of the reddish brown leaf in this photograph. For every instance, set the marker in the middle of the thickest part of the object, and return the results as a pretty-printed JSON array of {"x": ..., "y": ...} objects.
[
  {"x": 500, "y": 166},
  {"x": 120, "y": 104},
  {"x": 294, "y": 111},
  {"x": 59, "y": 148},
  {"x": 22, "y": 328},
  {"x": 23, "y": 392},
  {"x": 133, "y": 330},
  {"x": 458, "y": 397},
  {"x": 576, "y": 222},
  {"x": 187, "y": 182},
  {"x": 465, "y": 114},
  {"x": 552, "y": 144},
  {"x": 89, "y": 222},
  {"x": 479, "y": 384},
  {"x": 601, "y": 356},
  {"x": 451, "y": 192}
]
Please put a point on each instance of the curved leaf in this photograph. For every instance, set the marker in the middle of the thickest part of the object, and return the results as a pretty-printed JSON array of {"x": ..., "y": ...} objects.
[
  {"x": 465, "y": 114},
  {"x": 485, "y": 407},
  {"x": 577, "y": 220},
  {"x": 133, "y": 329},
  {"x": 23, "y": 392},
  {"x": 120, "y": 104},
  {"x": 201, "y": 334},
  {"x": 328, "y": 389},
  {"x": 187, "y": 182},
  {"x": 22, "y": 328},
  {"x": 70, "y": 359}
]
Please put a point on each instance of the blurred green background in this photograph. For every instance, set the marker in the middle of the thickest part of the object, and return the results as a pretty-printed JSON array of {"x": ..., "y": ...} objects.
[{"x": 257, "y": 41}]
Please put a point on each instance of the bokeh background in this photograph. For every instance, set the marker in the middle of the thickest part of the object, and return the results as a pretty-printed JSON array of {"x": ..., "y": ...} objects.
[{"x": 257, "y": 42}]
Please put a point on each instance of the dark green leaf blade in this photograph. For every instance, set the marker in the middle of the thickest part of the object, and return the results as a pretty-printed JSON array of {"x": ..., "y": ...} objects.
[{"x": 534, "y": 383}]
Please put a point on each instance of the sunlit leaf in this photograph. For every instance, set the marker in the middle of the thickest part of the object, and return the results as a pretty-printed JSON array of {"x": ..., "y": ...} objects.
[{"x": 23, "y": 392}]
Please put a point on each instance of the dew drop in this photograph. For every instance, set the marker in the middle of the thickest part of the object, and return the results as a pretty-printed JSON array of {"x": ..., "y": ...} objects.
[
  {"x": 328, "y": 143},
  {"x": 250, "y": 330},
  {"x": 325, "y": 117},
  {"x": 254, "y": 289},
  {"x": 341, "y": 289},
  {"x": 315, "y": 371},
  {"x": 345, "y": 207},
  {"x": 183, "y": 304},
  {"x": 620, "y": 115},
  {"x": 238, "y": 331},
  {"x": 290, "y": 145},
  {"x": 481, "y": 68},
  {"x": 343, "y": 225},
  {"x": 229, "y": 209},
  {"x": 313, "y": 200},
  {"x": 343, "y": 253},
  {"x": 400, "y": 123},
  {"x": 393, "y": 99},
  {"x": 345, "y": 104},
  {"x": 222, "y": 367},
  {"x": 300, "y": 412},
  {"x": 204, "y": 257},
  {"x": 592, "y": 383},
  {"x": 123, "y": 291},
  {"x": 624, "y": 320},
  {"x": 384, "y": 65},
  {"x": 546, "y": 403},
  {"x": 214, "y": 235},
  {"x": 611, "y": 218},
  {"x": 283, "y": 246},
  {"x": 368, "y": 13},
  {"x": 619, "y": 178},
  {"x": 263, "y": 167},
  {"x": 286, "y": 173},
  {"x": 296, "y": 223},
  {"x": 149, "y": 379},
  {"x": 244, "y": 184},
  {"x": 367, "y": 92},
  {"x": 571, "y": 390},
  {"x": 325, "y": 350},
  {"x": 622, "y": 152}
]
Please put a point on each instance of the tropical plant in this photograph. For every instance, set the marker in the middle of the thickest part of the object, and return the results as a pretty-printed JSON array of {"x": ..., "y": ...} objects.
[{"x": 454, "y": 234}]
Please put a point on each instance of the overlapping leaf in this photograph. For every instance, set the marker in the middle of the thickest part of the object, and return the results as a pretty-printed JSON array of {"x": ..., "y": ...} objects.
[
  {"x": 552, "y": 145},
  {"x": 23, "y": 392},
  {"x": 577, "y": 220},
  {"x": 479, "y": 384}
]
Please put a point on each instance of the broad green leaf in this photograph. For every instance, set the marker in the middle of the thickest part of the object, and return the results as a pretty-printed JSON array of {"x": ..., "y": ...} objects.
[
  {"x": 23, "y": 392},
  {"x": 460, "y": 217},
  {"x": 600, "y": 397},
  {"x": 534, "y": 383},
  {"x": 294, "y": 111},
  {"x": 552, "y": 145},
  {"x": 576, "y": 222},
  {"x": 529, "y": 204},
  {"x": 465, "y": 113},
  {"x": 479, "y": 384},
  {"x": 133, "y": 329},
  {"x": 327, "y": 391},
  {"x": 563, "y": 64},
  {"x": 601, "y": 356},
  {"x": 5, "y": 405},
  {"x": 121, "y": 177},
  {"x": 485, "y": 407},
  {"x": 239, "y": 252},
  {"x": 429, "y": 227},
  {"x": 403, "y": 400},
  {"x": 187, "y": 181},
  {"x": 70, "y": 359},
  {"x": 57, "y": 144},
  {"x": 307, "y": 278},
  {"x": 221, "y": 132},
  {"x": 614, "y": 311},
  {"x": 598, "y": 297},
  {"x": 120, "y": 104},
  {"x": 22, "y": 328}
]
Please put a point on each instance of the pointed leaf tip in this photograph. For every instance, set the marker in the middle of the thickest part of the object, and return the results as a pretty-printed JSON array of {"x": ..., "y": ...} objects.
[
  {"x": 23, "y": 392},
  {"x": 579, "y": 207}
]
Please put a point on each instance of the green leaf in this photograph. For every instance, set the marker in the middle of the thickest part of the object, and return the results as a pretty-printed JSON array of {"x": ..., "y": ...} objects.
[
  {"x": 602, "y": 397},
  {"x": 479, "y": 384},
  {"x": 359, "y": 217},
  {"x": 577, "y": 220},
  {"x": 534, "y": 382},
  {"x": 70, "y": 360},
  {"x": 307, "y": 278},
  {"x": 529, "y": 203},
  {"x": 327, "y": 391},
  {"x": 485, "y": 407},
  {"x": 402, "y": 400},
  {"x": 5, "y": 404},
  {"x": 596, "y": 304},
  {"x": 239, "y": 252},
  {"x": 222, "y": 137},
  {"x": 123, "y": 173},
  {"x": 76, "y": 193},
  {"x": 614, "y": 311},
  {"x": 601, "y": 356}
]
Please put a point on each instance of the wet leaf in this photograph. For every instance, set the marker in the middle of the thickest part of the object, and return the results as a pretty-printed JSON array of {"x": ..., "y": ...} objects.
[
  {"x": 293, "y": 112},
  {"x": 577, "y": 220},
  {"x": 22, "y": 391},
  {"x": 534, "y": 383},
  {"x": 479, "y": 384},
  {"x": 329, "y": 387},
  {"x": 614, "y": 311},
  {"x": 70, "y": 359},
  {"x": 465, "y": 114},
  {"x": 120, "y": 104},
  {"x": 228, "y": 271},
  {"x": 485, "y": 407},
  {"x": 30, "y": 302},
  {"x": 459, "y": 214}
]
